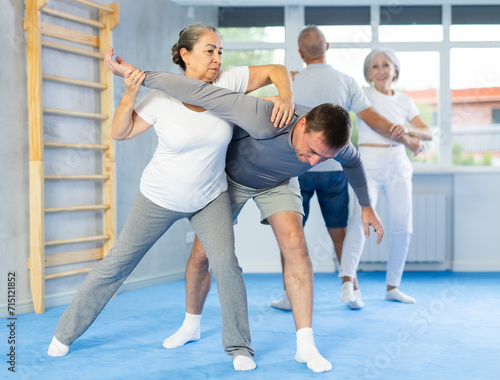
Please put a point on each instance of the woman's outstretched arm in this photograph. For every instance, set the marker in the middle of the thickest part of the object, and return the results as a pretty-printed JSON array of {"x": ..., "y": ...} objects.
[{"x": 248, "y": 112}]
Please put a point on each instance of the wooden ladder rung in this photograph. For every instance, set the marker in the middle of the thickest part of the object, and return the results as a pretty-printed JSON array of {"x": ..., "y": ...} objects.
[
  {"x": 50, "y": 144},
  {"x": 92, "y": 177},
  {"x": 76, "y": 82},
  {"x": 68, "y": 16},
  {"x": 88, "y": 115},
  {"x": 95, "y": 5},
  {"x": 55, "y": 259},
  {"x": 67, "y": 273},
  {"x": 72, "y": 257},
  {"x": 76, "y": 208},
  {"x": 67, "y": 34},
  {"x": 77, "y": 240},
  {"x": 71, "y": 49}
]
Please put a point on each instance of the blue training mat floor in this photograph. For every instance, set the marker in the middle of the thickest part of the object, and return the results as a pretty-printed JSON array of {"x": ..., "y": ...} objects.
[{"x": 452, "y": 332}]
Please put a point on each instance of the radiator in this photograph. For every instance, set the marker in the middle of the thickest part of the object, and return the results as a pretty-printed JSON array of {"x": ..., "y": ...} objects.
[{"x": 429, "y": 231}]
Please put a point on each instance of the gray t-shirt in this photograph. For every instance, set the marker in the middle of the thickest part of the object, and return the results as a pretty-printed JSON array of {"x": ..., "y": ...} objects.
[
  {"x": 320, "y": 83},
  {"x": 260, "y": 155}
]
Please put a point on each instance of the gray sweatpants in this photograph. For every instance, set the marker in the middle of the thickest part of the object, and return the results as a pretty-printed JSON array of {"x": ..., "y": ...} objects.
[{"x": 145, "y": 224}]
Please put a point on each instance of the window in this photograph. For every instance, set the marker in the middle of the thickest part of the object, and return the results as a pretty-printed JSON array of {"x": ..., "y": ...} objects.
[
  {"x": 495, "y": 116},
  {"x": 475, "y": 23},
  {"x": 475, "y": 82},
  {"x": 262, "y": 33},
  {"x": 341, "y": 24},
  {"x": 349, "y": 61},
  {"x": 410, "y": 24},
  {"x": 475, "y": 85},
  {"x": 244, "y": 17},
  {"x": 419, "y": 78},
  {"x": 252, "y": 58},
  {"x": 451, "y": 74}
]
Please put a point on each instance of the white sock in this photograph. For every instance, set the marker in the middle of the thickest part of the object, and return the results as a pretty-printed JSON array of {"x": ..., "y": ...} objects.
[
  {"x": 308, "y": 353},
  {"x": 358, "y": 303},
  {"x": 188, "y": 332},
  {"x": 283, "y": 303},
  {"x": 397, "y": 295},
  {"x": 57, "y": 348},
  {"x": 347, "y": 292},
  {"x": 243, "y": 363}
]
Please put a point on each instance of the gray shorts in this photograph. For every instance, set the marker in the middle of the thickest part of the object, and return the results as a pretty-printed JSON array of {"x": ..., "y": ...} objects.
[{"x": 283, "y": 197}]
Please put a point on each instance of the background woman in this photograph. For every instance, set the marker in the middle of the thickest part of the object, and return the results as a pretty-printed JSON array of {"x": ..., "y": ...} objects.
[
  {"x": 388, "y": 168},
  {"x": 184, "y": 179}
]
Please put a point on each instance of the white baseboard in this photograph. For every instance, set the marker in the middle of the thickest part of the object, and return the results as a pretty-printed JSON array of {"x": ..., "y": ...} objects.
[
  {"x": 322, "y": 267},
  {"x": 409, "y": 267},
  {"x": 475, "y": 266},
  {"x": 64, "y": 298},
  {"x": 261, "y": 267},
  {"x": 275, "y": 267}
]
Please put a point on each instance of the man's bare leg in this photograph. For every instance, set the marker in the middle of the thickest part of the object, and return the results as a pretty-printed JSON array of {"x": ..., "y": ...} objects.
[
  {"x": 198, "y": 279},
  {"x": 198, "y": 282},
  {"x": 337, "y": 235},
  {"x": 299, "y": 282}
]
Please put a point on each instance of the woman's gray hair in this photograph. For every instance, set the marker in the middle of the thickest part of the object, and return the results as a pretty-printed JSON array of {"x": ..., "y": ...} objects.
[
  {"x": 389, "y": 54},
  {"x": 188, "y": 37}
]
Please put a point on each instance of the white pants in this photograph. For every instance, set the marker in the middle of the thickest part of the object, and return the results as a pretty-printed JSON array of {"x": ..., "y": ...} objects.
[{"x": 387, "y": 169}]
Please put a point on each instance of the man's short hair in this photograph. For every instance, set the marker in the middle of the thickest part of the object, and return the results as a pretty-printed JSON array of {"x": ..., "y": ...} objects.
[
  {"x": 333, "y": 121},
  {"x": 312, "y": 42}
]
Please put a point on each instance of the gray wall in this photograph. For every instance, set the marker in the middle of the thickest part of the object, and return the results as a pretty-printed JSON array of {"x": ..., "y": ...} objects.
[
  {"x": 14, "y": 218},
  {"x": 146, "y": 32}
]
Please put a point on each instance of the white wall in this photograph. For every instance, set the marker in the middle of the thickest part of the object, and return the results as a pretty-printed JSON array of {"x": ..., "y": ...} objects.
[
  {"x": 476, "y": 212},
  {"x": 471, "y": 233}
]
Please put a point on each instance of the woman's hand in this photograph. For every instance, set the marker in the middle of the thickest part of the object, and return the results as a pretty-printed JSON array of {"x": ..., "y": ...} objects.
[
  {"x": 133, "y": 80},
  {"x": 118, "y": 67},
  {"x": 420, "y": 149},
  {"x": 282, "y": 111},
  {"x": 413, "y": 143}
]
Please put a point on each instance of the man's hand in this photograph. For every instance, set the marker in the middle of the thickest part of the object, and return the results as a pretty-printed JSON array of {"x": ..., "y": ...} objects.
[
  {"x": 397, "y": 131},
  {"x": 370, "y": 218},
  {"x": 282, "y": 111},
  {"x": 120, "y": 67}
]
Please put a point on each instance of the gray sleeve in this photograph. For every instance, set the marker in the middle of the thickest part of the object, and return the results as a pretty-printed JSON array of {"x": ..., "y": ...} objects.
[
  {"x": 355, "y": 173},
  {"x": 248, "y": 112}
]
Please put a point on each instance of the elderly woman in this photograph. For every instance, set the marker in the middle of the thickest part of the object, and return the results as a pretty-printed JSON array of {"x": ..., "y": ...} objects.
[
  {"x": 388, "y": 168},
  {"x": 184, "y": 179}
]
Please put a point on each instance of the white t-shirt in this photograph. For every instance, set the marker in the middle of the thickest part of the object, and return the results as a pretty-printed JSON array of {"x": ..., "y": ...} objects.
[
  {"x": 320, "y": 83},
  {"x": 187, "y": 169},
  {"x": 398, "y": 108}
]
